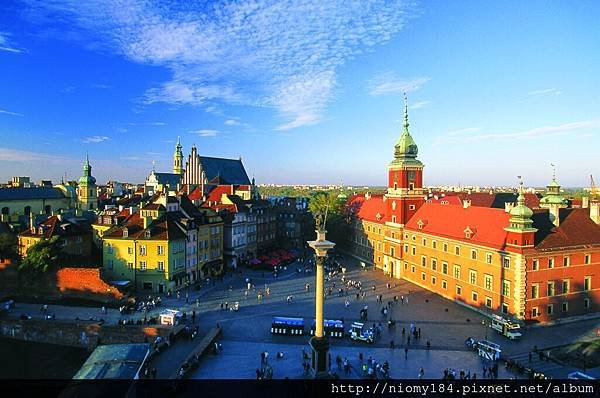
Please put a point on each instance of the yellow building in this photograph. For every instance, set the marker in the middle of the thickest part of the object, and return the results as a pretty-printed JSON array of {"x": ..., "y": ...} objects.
[{"x": 149, "y": 250}]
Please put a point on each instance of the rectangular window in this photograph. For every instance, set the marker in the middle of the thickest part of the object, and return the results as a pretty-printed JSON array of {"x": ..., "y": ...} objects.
[
  {"x": 405, "y": 248},
  {"x": 473, "y": 277},
  {"x": 160, "y": 266},
  {"x": 535, "y": 265},
  {"x": 423, "y": 261},
  {"x": 587, "y": 283},
  {"x": 506, "y": 262},
  {"x": 445, "y": 247},
  {"x": 587, "y": 259},
  {"x": 504, "y": 308},
  {"x": 473, "y": 254},
  {"x": 394, "y": 219},
  {"x": 488, "y": 302},
  {"x": 456, "y": 269},
  {"x": 424, "y": 242},
  {"x": 506, "y": 288},
  {"x": 160, "y": 249},
  {"x": 474, "y": 296},
  {"x": 535, "y": 312},
  {"x": 444, "y": 285},
  {"x": 550, "y": 263},
  {"x": 444, "y": 268},
  {"x": 130, "y": 250},
  {"x": 434, "y": 264},
  {"x": 458, "y": 290},
  {"x": 565, "y": 306},
  {"x": 566, "y": 261},
  {"x": 423, "y": 276},
  {"x": 487, "y": 282},
  {"x": 433, "y": 280},
  {"x": 565, "y": 287},
  {"x": 412, "y": 269},
  {"x": 457, "y": 250},
  {"x": 143, "y": 265},
  {"x": 434, "y": 244},
  {"x": 392, "y": 251},
  {"x": 130, "y": 265},
  {"x": 535, "y": 291},
  {"x": 586, "y": 303},
  {"x": 550, "y": 309},
  {"x": 414, "y": 250},
  {"x": 488, "y": 258},
  {"x": 550, "y": 289},
  {"x": 142, "y": 250}
]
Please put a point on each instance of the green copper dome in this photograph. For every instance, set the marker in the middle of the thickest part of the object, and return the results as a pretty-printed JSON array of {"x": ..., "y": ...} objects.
[
  {"x": 87, "y": 178},
  {"x": 405, "y": 149}
]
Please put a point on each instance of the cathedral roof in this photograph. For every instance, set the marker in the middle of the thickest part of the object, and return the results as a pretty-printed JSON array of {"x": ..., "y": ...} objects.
[{"x": 226, "y": 171}]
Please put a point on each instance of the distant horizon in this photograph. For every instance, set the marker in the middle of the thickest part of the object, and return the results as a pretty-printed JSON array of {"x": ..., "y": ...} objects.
[{"x": 506, "y": 94}]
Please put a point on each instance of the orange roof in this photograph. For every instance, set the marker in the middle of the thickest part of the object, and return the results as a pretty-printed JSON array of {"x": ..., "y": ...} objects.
[
  {"x": 218, "y": 191},
  {"x": 196, "y": 194},
  {"x": 487, "y": 224},
  {"x": 372, "y": 209}
]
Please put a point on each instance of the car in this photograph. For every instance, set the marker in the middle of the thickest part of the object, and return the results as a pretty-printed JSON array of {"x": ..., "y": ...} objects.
[{"x": 24, "y": 317}]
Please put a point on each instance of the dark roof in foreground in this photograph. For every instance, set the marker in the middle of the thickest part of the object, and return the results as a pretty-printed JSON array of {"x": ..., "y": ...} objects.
[
  {"x": 114, "y": 361},
  {"x": 30, "y": 193},
  {"x": 228, "y": 171}
]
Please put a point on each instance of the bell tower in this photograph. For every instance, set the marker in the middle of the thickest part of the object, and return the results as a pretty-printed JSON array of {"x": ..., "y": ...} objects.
[
  {"x": 178, "y": 159},
  {"x": 405, "y": 192}
]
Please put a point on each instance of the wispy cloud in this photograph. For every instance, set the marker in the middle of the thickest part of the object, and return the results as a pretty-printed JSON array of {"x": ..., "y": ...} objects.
[
  {"x": 464, "y": 135},
  {"x": 6, "y": 46},
  {"x": 14, "y": 155},
  {"x": 131, "y": 158},
  {"x": 68, "y": 89},
  {"x": 5, "y": 112},
  {"x": 279, "y": 53},
  {"x": 389, "y": 83},
  {"x": 95, "y": 139},
  {"x": 205, "y": 132},
  {"x": 419, "y": 104},
  {"x": 546, "y": 91},
  {"x": 101, "y": 86},
  {"x": 232, "y": 122}
]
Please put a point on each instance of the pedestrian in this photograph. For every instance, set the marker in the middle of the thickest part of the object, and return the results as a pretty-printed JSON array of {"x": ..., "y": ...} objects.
[
  {"x": 403, "y": 332},
  {"x": 262, "y": 358},
  {"x": 428, "y": 345},
  {"x": 408, "y": 341},
  {"x": 222, "y": 305},
  {"x": 421, "y": 373},
  {"x": 197, "y": 303},
  {"x": 419, "y": 334},
  {"x": 187, "y": 298},
  {"x": 405, "y": 352},
  {"x": 193, "y": 317},
  {"x": 392, "y": 345}
]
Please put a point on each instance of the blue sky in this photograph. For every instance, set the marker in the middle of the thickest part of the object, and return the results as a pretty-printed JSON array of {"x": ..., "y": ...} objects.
[{"x": 304, "y": 91}]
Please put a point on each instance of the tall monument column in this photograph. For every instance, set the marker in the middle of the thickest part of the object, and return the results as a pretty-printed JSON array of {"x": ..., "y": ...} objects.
[{"x": 319, "y": 342}]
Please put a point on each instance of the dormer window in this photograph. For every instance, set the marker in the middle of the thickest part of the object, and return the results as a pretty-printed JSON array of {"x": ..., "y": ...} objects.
[
  {"x": 147, "y": 233},
  {"x": 125, "y": 232},
  {"x": 420, "y": 224},
  {"x": 378, "y": 216},
  {"x": 468, "y": 232}
]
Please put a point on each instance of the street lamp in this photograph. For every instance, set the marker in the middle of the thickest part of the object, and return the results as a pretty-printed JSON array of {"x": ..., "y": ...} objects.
[
  {"x": 319, "y": 343},
  {"x": 485, "y": 326}
]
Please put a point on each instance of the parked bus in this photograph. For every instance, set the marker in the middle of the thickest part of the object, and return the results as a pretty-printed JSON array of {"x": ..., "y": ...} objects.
[
  {"x": 331, "y": 328},
  {"x": 288, "y": 326}
]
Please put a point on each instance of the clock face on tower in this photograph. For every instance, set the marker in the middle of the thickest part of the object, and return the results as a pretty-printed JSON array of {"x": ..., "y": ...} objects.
[{"x": 411, "y": 175}]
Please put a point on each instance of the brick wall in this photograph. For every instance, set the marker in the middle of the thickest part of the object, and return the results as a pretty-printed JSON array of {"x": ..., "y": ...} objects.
[{"x": 85, "y": 282}]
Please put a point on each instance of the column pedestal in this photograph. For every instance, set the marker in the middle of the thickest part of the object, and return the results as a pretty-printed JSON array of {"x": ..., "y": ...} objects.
[{"x": 320, "y": 360}]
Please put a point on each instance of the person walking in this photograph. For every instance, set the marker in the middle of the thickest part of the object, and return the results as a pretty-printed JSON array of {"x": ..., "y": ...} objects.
[
  {"x": 405, "y": 352},
  {"x": 421, "y": 373}
]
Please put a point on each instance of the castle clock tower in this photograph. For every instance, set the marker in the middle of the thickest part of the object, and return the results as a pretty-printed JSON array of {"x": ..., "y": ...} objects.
[
  {"x": 87, "y": 196},
  {"x": 405, "y": 192}
]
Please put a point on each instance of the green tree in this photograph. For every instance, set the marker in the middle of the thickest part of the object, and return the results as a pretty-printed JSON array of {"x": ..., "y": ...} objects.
[
  {"x": 43, "y": 256},
  {"x": 324, "y": 207},
  {"x": 8, "y": 245}
]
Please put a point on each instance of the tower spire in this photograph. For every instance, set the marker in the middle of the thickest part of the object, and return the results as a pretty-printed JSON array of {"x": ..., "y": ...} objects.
[{"x": 406, "y": 124}]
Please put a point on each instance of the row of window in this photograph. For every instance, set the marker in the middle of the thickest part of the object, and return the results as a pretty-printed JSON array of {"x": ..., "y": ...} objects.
[
  {"x": 160, "y": 249},
  {"x": 535, "y": 311},
  {"x": 474, "y": 254},
  {"x": 566, "y": 287},
  {"x": 566, "y": 261}
]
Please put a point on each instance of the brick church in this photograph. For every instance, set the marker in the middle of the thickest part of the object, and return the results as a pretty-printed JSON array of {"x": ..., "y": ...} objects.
[{"x": 535, "y": 263}]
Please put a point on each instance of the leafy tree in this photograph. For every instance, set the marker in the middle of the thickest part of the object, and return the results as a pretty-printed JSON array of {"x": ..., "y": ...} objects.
[
  {"x": 324, "y": 207},
  {"x": 8, "y": 245},
  {"x": 45, "y": 255}
]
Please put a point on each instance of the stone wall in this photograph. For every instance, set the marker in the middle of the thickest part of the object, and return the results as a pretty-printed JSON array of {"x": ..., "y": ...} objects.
[{"x": 83, "y": 334}]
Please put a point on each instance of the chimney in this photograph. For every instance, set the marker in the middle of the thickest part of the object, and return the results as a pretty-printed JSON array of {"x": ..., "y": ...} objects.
[
  {"x": 585, "y": 202},
  {"x": 553, "y": 213},
  {"x": 595, "y": 211}
]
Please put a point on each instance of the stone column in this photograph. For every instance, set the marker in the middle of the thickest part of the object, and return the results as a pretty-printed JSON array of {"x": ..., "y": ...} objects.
[{"x": 319, "y": 342}]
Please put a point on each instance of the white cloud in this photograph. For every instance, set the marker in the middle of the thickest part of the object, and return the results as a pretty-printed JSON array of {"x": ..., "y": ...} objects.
[
  {"x": 232, "y": 122},
  {"x": 131, "y": 158},
  {"x": 462, "y": 136},
  {"x": 6, "y": 46},
  {"x": 101, "y": 86},
  {"x": 389, "y": 83},
  {"x": 10, "y": 113},
  {"x": 419, "y": 104},
  {"x": 205, "y": 132},
  {"x": 546, "y": 91},
  {"x": 14, "y": 155},
  {"x": 279, "y": 53},
  {"x": 95, "y": 139}
]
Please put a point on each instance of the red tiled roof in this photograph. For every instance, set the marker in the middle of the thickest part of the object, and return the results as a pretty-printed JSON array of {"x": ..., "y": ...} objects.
[
  {"x": 218, "y": 191},
  {"x": 451, "y": 221},
  {"x": 575, "y": 228},
  {"x": 196, "y": 194},
  {"x": 446, "y": 200},
  {"x": 368, "y": 209}
]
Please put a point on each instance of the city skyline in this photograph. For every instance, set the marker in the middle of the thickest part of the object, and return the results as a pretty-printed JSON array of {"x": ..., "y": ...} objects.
[{"x": 121, "y": 82}]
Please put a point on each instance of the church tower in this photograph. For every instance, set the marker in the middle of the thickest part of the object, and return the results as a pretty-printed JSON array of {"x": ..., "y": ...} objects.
[
  {"x": 553, "y": 200},
  {"x": 405, "y": 177},
  {"x": 87, "y": 195},
  {"x": 521, "y": 233},
  {"x": 178, "y": 159}
]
